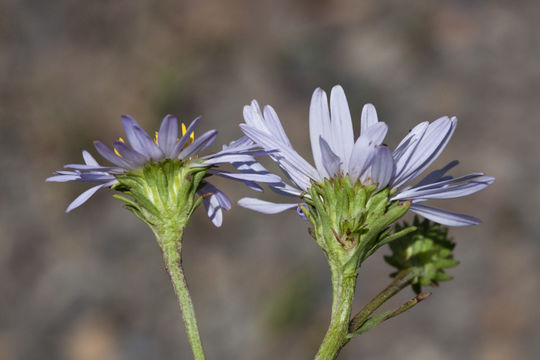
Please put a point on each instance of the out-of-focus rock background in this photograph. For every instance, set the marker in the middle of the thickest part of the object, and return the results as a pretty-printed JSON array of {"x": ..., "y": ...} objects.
[{"x": 91, "y": 284}]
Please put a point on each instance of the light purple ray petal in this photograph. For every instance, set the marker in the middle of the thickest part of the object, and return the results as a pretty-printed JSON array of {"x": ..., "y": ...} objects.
[
  {"x": 285, "y": 189},
  {"x": 289, "y": 154},
  {"x": 251, "y": 167},
  {"x": 416, "y": 133},
  {"x": 406, "y": 145},
  {"x": 251, "y": 152},
  {"x": 98, "y": 177},
  {"x": 129, "y": 154},
  {"x": 342, "y": 139},
  {"x": 81, "y": 199},
  {"x": 444, "y": 217},
  {"x": 108, "y": 154},
  {"x": 227, "y": 158},
  {"x": 361, "y": 157},
  {"x": 447, "y": 192},
  {"x": 248, "y": 151},
  {"x": 274, "y": 125},
  {"x": 241, "y": 143},
  {"x": 319, "y": 126},
  {"x": 406, "y": 149},
  {"x": 439, "y": 149},
  {"x": 223, "y": 200},
  {"x": 264, "y": 178},
  {"x": 183, "y": 140},
  {"x": 298, "y": 169},
  {"x": 240, "y": 146},
  {"x": 429, "y": 148},
  {"x": 63, "y": 178},
  {"x": 368, "y": 118},
  {"x": 83, "y": 167},
  {"x": 383, "y": 166},
  {"x": 436, "y": 175},
  {"x": 89, "y": 159},
  {"x": 376, "y": 132},
  {"x": 253, "y": 116},
  {"x": 331, "y": 161},
  {"x": 168, "y": 134},
  {"x": 213, "y": 209},
  {"x": 253, "y": 186},
  {"x": 445, "y": 181},
  {"x": 150, "y": 148},
  {"x": 456, "y": 191},
  {"x": 264, "y": 207},
  {"x": 130, "y": 124},
  {"x": 247, "y": 180},
  {"x": 200, "y": 143}
]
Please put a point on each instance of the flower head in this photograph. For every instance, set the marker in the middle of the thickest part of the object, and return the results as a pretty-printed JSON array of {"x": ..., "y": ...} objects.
[
  {"x": 172, "y": 157},
  {"x": 365, "y": 160},
  {"x": 427, "y": 252}
]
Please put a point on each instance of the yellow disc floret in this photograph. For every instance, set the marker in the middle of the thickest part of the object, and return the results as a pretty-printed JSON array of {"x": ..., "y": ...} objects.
[
  {"x": 116, "y": 151},
  {"x": 191, "y": 136},
  {"x": 156, "y": 139}
]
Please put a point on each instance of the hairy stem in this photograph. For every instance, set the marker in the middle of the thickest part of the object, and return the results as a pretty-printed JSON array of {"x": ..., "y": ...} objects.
[
  {"x": 336, "y": 336},
  {"x": 401, "y": 281},
  {"x": 170, "y": 243}
]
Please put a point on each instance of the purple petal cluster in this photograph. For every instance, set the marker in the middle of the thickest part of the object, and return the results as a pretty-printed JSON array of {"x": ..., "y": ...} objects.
[
  {"x": 366, "y": 159},
  {"x": 140, "y": 149},
  {"x": 91, "y": 172}
]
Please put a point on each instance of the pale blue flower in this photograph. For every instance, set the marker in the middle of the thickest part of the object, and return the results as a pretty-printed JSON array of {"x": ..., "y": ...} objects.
[
  {"x": 336, "y": 153},
  {"x": 140, "y": 149}
]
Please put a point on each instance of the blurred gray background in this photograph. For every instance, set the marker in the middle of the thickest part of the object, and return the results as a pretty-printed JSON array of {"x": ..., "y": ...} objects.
[{"x": 91, "y": 284}]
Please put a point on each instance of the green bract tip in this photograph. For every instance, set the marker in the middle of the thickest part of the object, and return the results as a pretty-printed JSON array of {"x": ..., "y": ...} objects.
[
  {"x": 351, "y": 220},
  {"x": 162, "y": 194}
]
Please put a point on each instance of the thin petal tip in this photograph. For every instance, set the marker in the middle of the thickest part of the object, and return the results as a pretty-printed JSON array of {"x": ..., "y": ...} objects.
[
  {"x": 338, "y": 88},
  {"x": 319, "y": 92},
  {"x": 369, "y": 106},
  {"x": 127, "y": 118}
]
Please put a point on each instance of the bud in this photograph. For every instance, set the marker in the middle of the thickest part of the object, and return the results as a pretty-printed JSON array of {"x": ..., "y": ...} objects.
[{"x": 426, "y": 251}]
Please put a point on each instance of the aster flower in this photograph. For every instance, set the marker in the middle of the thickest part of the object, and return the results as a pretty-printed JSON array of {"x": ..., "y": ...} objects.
[
  {"x": 366, "y": 160},
  {"x": 141, "y": 150},
  {"x": 162, "y": 181},
  {"x": 355, "y": 192}
]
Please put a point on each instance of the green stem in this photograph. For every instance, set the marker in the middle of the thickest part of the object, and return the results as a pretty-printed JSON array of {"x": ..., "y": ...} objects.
[
  {"x": 408, "y": 305},
  {"x": 171, "y": 245},
  {"x": 336, "y": 336},
  {"x": 401, "y": 281}
]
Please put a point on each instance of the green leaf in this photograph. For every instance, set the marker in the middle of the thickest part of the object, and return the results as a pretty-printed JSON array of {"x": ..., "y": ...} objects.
[
  {"x": 386, "y": 239},
  {"x": 375, "y": 320},
  {"x": 370, "y": 323}
]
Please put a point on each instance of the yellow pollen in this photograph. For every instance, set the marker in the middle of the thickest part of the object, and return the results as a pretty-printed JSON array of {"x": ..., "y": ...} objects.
[
  {"x": 116, "y": 151},
  {"x": 191, "y": 136},
  {"x": 156, "y": 138}
]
